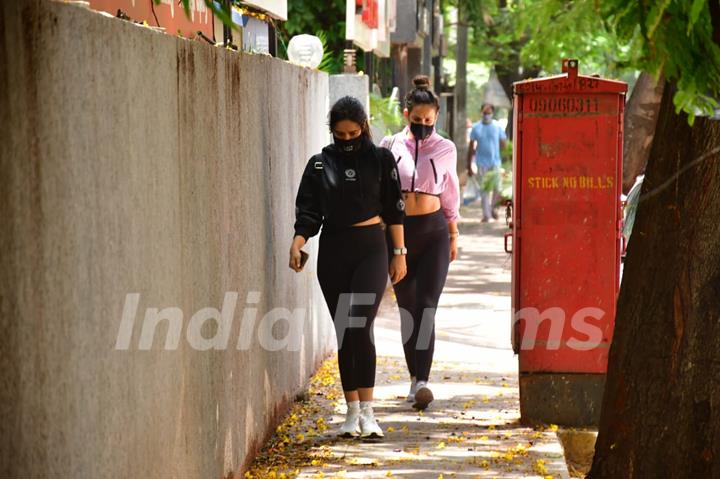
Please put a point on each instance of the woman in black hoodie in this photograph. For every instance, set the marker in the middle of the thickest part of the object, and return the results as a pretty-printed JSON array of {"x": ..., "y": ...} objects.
[{"x": 350, "y": 189}]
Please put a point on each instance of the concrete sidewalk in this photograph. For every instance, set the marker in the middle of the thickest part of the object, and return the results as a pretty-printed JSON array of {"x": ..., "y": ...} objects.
[{"x": 471, "y": 430}]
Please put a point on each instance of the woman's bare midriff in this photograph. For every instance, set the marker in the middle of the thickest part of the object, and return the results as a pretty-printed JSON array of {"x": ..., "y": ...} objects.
[
  {"x": 415, "y": 204},
  {"x": 420, "y": 204},
  {"x": 371, "y": 221}
]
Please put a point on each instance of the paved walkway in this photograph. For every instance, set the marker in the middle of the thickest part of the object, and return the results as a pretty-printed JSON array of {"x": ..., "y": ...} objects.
[{"x": 471, "y": 430}]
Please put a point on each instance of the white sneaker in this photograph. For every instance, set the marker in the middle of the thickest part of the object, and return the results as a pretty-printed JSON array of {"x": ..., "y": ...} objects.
[
  {"x": 423, "y": 395},
  {"x": 351, "y": 426},
  {"x": 411, "y": 394},
  {"x": 369, "y": 428}
]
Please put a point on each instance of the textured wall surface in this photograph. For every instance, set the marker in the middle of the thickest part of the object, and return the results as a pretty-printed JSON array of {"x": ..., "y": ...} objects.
[
  {"x": 350, "y": 84},
  {"x": 138, "y": 162},
  {"x": 406, "y": 22}
]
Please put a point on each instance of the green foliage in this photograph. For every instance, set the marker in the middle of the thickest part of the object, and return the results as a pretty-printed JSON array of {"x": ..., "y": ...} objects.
[
  {"x": 537, "y": 34},
  {"x": 506, "y": 153},
  {"x": 477, "y": 77},
  {"x": 331, "y": 62},
  {"x": 558, "y": 29},
  {"x": 326, "y": 18},
  {"x": 492, "y": 38},
  {"x": 500, "y": 179},
  {"x": 672, "y": 37},
  {"x": 506, "y": 180},
  {"x": 385, "y": 114},
  {"x": 610, "y": 37},
  {"x": 490, "y": 181},
  {"x": 679, "y": 42}
]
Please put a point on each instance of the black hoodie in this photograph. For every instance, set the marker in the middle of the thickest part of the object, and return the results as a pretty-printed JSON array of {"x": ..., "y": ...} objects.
[{"x": 340, "y": 189}]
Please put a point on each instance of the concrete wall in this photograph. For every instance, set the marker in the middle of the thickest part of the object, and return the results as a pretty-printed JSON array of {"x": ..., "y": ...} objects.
[
  {"x": 351, "y": 84},
  {"x": 137, "y": 162}
]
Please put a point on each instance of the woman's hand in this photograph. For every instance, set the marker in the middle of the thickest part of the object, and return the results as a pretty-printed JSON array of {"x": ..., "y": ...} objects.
[
  {"x": 298, "y": 242},
  {"x": 454, "y": 233},
  {"x": 295, "y": 259},
  {"x": 453, "y": 248},
  {"x": 398, "y": 268}
]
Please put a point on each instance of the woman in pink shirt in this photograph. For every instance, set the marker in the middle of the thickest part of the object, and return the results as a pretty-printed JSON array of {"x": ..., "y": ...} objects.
[{"x": 427, "y": 164}]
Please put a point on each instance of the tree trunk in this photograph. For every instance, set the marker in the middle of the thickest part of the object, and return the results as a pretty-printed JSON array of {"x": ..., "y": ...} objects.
[
  {"x": 460, "y": 133},
  {"x": 641, "y": 115},
  {"x": 508, "y": 74},
  {"x": 661, "y": 409}
]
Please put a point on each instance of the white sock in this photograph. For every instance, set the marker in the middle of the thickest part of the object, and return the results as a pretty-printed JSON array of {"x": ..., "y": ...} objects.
[
  {"x": 365, "y": 404},
  {"x": 420, "y": 384},
  {"x": 353, "y": 406}
]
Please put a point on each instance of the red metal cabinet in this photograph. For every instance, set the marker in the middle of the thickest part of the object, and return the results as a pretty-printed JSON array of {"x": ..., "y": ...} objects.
[{"x": 566, "y": 234}]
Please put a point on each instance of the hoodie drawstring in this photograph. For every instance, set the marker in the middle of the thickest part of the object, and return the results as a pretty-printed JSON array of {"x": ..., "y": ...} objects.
[{"x": 417, "y": 148}]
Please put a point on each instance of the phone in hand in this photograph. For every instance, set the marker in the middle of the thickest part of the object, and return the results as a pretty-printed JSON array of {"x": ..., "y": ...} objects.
[{"x": 303, "y": 258}]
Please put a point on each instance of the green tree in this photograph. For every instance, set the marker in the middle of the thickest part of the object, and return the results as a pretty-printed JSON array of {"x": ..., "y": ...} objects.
[
  {"x": 662, "y": 400},
  {"x": 557, "y": 29},
  {"x": 668, "y": 386},
  {"x": 511, "y": 36},
  {"x": 672, "y": 37},
  {"x": 661, "y": 409}
]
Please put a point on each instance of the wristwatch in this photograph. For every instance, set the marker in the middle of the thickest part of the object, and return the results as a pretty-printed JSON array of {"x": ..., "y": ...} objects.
[{"x": 399, "y": 251}]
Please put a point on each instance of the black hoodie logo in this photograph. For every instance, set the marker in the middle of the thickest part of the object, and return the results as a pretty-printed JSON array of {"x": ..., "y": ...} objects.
[{"x": 350, "y": 174}]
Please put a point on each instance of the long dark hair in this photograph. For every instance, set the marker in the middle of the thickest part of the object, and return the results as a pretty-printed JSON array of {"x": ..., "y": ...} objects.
[
  {"x": 422, "y": 94},
  {"x": 350, "y": 108}
]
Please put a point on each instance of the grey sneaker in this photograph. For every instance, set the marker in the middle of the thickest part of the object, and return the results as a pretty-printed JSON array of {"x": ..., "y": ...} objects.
[
  {"x": 411, "y": 394},
  {"x": 423, "y": 396}
]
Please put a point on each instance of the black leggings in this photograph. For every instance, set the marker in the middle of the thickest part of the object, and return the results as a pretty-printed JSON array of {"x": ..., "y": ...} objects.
[
  {"x": 428, "y": 259},
  {"x": 353, "y": 261}
]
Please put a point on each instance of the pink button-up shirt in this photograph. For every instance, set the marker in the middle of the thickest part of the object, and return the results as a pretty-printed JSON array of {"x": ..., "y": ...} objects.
[{"x": 433, "y": 170}]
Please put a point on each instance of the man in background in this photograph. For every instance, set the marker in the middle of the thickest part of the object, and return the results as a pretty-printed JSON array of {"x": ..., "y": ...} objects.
[{"x": 487, "y": 137}]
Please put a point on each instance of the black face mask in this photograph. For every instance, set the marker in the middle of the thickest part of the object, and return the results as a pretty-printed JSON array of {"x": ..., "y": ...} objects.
[
  {"x": 348, "y": 146},
  {"x": 420, "y": 131}
]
